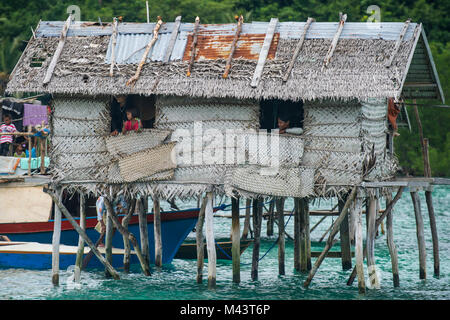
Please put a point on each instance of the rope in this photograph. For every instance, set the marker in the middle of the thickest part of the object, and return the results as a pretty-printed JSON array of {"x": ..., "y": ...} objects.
[{"x": 271, "y": 247}]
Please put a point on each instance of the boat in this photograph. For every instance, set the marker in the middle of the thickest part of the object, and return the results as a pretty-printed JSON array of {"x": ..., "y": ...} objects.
[
  {"x": 188, "y": 250},
  {"x": 34, "y": 255}
]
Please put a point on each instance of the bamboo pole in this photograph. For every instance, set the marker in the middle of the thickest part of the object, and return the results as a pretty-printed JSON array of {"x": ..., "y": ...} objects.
[
  {"x": 305, "y": 241},
  {"x": 143, "y": 232},
  {"x": 210, "y": 243},
  {"x": 391, "y": 244},
  {"x": 420, "y": 235},
  {"x": 81, "y": 232},
  {"x": 247, "y": 219},
  {"x": 359, "y": 250},
  {"x": 130, "y": 236},
  {"x": 257, "y": 219},
  {"x": 80, "y": 252},
  {"x": 370, "y": 243},
  {"x": 281, "y": 239},
  {"x": 157, "y": 232},
  {"x": 126, "y": 242},
  {"x": 330, "y": 241},
  {"x": 200, "y": 241},
  {"x": 236, "y": 242},
  {"x": 346, "y": 257},
  {"x": 56, "y": 240}
]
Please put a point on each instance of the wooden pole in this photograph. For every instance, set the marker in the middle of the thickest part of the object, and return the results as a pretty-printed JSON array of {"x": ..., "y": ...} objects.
[
  {"x": 296, "y": 234},
  {"x": 305, "y": 241},
  {"x": 270, "y": 218},
  {"x": 359, "y": 250},
  {"x": 30, "y": 147},
  {"x": 391, "y": 244},
  {"x": 247, "y": 219},
  {"x": 236, "y": 240},
  {"x": 80, "y": 252},
  {"x": 330, "y": 241},
  {"x": 210, "y": 243},
  {"x": 157, "y": 232},
  {"x": 281, "y": 238},
  {"x": 370, "y": 243},
  {"x": 131, "y": 237},
  {"x": 434, "y": 234},
  {"x": 81, "y": 232},
  {"x": 257, "y": 217},
  {"x": 42, "y": 146},
  {"x": 346, "y": 256},
  {"x": 420, "y": 235},
  {"x": 56, "y": 239},
  {"x": 148, "y": 12},
  {"x": 126, "y": 242},
  {"x": 108, "y": 238},
  {"x": 233, "y": 46},
  {"x": 113, "y": 47},
  {"x": 193, "y": 45},
  {"x": 143, "y": 232},
  {"x": 200, "y": 241}
]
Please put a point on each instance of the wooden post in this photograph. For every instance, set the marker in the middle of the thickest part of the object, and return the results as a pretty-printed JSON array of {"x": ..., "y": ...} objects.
[
  {"x": 330, "y": 241},
  {"x": 247, "y": 219},
  {"x": 81, "y": 232},
  {"x": 80, "y": 252},
  {"x": 199, "y": 240},
  {"x": 391, "y": 244},
  {"x": 56, "y": 239},
  {"x": 305, "y": 241},
  {"x": 334, "y": 42},
  {"x": 143, "y": 232},
  {"x": 126, "y": 242},
  {"x": 420, "y": 235},
  {"x": 236, "y": 240},
  {"x": 434, "y": 235},
  {"x": 30, "y": 147},
  {"x": 210, "y": 242},
  {"x": 42, "y": 146},
  {"x": 270, "y": 218},
  {"x": 113, "y": 47},
  {"x": 370, "y": 243},
  {"x": 233, "y": 46},
  {"x": 108, "y": 238},
  {"x": 157, "y": 232},
  {"x": 359, "y": 250},
  {"x": 257, "y": 217},
  {"x": 296, "y": 234},
  {"x": 281, "y": 238},
  {"x": 193, "y": 46},
  {"x": 346, "y": 254}
]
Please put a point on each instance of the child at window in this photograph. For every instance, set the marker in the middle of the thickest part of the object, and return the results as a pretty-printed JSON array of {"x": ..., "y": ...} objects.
[{"x": 133, "y": 123}]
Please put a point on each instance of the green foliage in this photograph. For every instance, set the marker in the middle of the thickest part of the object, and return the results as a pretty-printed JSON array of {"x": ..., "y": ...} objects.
[{"x": 19, "y": 16}]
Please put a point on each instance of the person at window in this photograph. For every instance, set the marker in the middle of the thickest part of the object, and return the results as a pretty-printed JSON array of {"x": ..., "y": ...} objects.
[
  {"x": 284, "y": 125},
  {"x": 133, "y": 123},
  {"x": 393, "y": 111},
  {"x": 118, "y": 114}
]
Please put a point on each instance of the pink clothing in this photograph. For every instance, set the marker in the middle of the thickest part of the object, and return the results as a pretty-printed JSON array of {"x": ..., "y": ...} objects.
[
  {"x": 7, "y": 128},
  {"x": 129, "y": 127}
]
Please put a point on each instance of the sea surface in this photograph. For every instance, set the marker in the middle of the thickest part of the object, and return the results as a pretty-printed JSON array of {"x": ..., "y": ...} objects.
[{"x": 177, "y": 281}]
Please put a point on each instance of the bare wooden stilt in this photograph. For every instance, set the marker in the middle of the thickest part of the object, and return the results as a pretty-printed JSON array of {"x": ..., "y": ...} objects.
[
  {"x": 330, "y": 240},
  {"x": 346, "y": 256},
  {"x": 81, "y": 232},
  {"x": 131, "y": 237},
  {"x": 270, "y": 218},
  {"x": 199, "y": 239},
  {"x": 108, "y": 239},
  {"x": 126, "y": 242},
  {"x": 359, "y": 250},
  {"x": 305, "y": 241},
  {"x": 296, "y": 234},
  {"x": 157, "y": 232},
  {"x": 247, "y": 219},
  {"x": 391, "y": 244},
  {"x": 434, "y": 234},
  {"x": 29, "y": 151},
  {"x": 236, "y": 245},
  {"x": 370, "y": 243},
  {"x": 143, "y": 231},
  {"x": 56, "y": 239},
  {"x": 210, "y": 242},
  {"x": 420, "y": 235},
  {"x": 257, "y": 219},
  {"x": 281, "y": 239},
  {"x": 80, "y": 251}
]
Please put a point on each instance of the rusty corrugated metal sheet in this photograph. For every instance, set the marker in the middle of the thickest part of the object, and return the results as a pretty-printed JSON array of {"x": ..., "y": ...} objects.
[{"x": 210, "y": 46}]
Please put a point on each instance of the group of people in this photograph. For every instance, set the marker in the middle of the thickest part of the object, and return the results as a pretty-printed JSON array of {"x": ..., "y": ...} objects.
[{"x": 124, "y": 118}]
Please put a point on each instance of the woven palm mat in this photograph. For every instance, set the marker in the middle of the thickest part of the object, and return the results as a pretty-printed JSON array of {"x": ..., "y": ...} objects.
[
  {"x": 146, "y": 163},
  {"x": 288, "y": 182},
  {"x": 123, "y": 145}
]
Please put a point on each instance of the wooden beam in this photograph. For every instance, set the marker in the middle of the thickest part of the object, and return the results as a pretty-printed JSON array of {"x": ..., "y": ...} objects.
[
  {"x": 143, "y": 231},
  {"x": 56, "y": 240},
  {"x": 370, "y": 243},
  {"x": 391, "y": 244},
  {"x": 359, "y": 251},
  {"x": 233, "y": 46},
  {"x": 281, "y": 239},
  {"x": 157, "y": 232},
  {"x": 248, "y": 203},
  {"x": 264, "y": 52},
  {"x": 297, "y": 49},
  {"x": 210, "y": 241},
  {"x": 113, "y": 47},
  {"x": 236, "y": 241},
  {"x": 193, "y": 45},
  {"x": 126, "y": 242},
  {"x": 257, "y": 220},
  {"x": 345, "y": 244},
  {"x": 398, "y": 43},
  {"x": 200, "y": 241},
  {"x": 59, "y": 48},
  {"x": 173, "y": 39},
  {"x": 133, "y": 79},
  {"x": 305, "y": 241},
  {"x": 109, "y": 237},
  {"x": 334, "y": 42},
  {"x": 420, "y": 235},
  {"x": 80, "y": 251}
]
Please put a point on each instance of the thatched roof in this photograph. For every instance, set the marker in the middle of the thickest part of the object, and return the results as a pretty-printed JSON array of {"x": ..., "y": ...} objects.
[{"x": 357, "y": 68}]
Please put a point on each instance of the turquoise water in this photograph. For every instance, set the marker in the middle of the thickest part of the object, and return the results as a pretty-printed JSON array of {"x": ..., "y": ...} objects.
[{"x": 177, "y": 281}]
